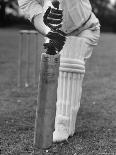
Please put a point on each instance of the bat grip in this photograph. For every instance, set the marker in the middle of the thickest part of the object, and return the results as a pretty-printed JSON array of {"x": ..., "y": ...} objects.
[{"x": 56, "y": 4}]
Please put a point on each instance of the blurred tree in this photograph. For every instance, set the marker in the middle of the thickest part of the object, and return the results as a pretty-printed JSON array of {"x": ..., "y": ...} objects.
[
  {"x": 10, "y": 15},
  {"x": 2, "y": 12},
  {"x": 102, "y": 8},
  {"x": 106, "y": 12},
  {"x": 7, "y": 7}
]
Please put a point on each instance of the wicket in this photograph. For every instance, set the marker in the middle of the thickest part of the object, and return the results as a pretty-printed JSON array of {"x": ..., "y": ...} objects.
[{"x": 28, "y": 58}]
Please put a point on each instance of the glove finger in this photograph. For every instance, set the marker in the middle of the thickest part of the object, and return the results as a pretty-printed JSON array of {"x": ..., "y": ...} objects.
[
  {"x": 54, "y": 27},
  {"x": 54, "y": 21},
  {"x": 54, "y": 44},
  {"x": 55, "y": 36},
  {"x": 46, "y": 15},
  {"x": 61, "y": 32},
  {"x": 50, "y": 48},
  {"x": 57, "y": 46},
  {"x": 47, "y": 12},
  {"x": 58, "y": 39},
  {"x": 55, "y": 11},
  {"x": 48, "y": 45},
  {"x": 55, "y": 16}
]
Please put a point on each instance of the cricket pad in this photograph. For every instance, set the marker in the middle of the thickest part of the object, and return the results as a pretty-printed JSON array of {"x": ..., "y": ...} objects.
[{"x": 46, "y": 103}]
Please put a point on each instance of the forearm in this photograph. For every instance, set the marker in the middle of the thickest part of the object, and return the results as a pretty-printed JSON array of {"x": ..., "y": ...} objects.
[
  {"x": 39, "y": 24},
  {"x": 30, "y": 8},
  {"x": 33, "y": 10}
]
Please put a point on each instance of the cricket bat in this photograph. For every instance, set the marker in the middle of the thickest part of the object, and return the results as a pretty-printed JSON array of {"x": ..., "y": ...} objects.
[{"x": 46, "y": 103}]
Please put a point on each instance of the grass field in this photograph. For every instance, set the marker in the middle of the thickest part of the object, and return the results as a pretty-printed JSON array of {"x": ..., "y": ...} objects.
[{"x": 96, "y": 121}]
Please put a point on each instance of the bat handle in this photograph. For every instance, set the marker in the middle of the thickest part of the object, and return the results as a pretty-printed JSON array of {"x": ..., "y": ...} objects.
[{"x": 56, "y": 4}]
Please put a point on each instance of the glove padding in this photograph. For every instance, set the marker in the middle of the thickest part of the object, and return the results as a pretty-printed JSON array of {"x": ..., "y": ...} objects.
[
  {"x": 53, "y": 18},
  {"x": 57, "y": 41}
]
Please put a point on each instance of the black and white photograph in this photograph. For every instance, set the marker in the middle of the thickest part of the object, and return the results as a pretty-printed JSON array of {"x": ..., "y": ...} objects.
[{"x": 57, "y": 77}]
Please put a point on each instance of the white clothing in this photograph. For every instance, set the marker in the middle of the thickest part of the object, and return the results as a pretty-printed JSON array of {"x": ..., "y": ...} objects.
[
  {"x": 75, "y": 12},
  {"x": 76, "y": 50}
]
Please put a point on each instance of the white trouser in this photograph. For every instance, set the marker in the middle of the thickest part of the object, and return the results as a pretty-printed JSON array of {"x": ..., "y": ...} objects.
[{"x": 72, "y": 69}]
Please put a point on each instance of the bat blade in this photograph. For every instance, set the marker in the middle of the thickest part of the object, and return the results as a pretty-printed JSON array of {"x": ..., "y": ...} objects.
[{"x": 47, "y": 97}]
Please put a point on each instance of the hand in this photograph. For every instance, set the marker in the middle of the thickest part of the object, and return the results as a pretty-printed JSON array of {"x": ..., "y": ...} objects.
[
  {"x": 57, "y": 41},
  {"x": 53, "y": 18}
]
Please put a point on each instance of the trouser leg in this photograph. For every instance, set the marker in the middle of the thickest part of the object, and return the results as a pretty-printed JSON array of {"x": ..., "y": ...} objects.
[{"x": 72, "y": 69}]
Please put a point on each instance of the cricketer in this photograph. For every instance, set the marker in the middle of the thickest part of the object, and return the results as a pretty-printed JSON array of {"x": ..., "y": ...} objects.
[{"x": 82, "y": 29}]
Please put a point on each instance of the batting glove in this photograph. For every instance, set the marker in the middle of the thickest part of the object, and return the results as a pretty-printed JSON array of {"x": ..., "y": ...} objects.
[
  {"x": 53, "y": 18},
  {"x": 57, "y": 40}
]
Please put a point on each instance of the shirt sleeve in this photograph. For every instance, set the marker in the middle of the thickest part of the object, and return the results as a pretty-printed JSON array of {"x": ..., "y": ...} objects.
[{"x": 30, "y": 8}]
